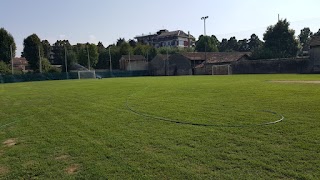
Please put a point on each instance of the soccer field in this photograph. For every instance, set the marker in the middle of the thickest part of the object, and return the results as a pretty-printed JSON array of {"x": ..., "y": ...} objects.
[{"x": 189, "y": 127}]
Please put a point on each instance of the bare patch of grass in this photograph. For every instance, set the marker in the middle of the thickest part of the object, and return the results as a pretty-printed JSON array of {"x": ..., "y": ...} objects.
[
  {"x": 10, "y": 142},
  {"x": 62, "y": 157},
  {"x": 3, "y": 170},
  {"x": 74, "y": 168}
]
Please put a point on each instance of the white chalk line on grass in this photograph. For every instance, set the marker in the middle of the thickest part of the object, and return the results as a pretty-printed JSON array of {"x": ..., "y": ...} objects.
[{"x": 146, "y": 115}]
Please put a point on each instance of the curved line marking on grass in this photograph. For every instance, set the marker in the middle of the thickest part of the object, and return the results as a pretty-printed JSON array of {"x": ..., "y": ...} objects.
[{"x": 199, "y": 124}]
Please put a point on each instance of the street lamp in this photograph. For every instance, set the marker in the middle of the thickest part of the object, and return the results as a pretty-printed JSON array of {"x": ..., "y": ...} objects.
[{"x": 204, "y": 20}]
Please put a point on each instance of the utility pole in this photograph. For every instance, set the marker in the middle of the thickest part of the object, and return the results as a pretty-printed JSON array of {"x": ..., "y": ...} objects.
[
  {"x": 110, "y": 60},
  {"x": 129, "y": 62},
  {"x": 278, "y": 17},
  {"x": 66, "y": 61},
  {"x": 167, "y": 62},
  {"x": 40, "y": 68},
  {"x": 204, "y": 21},
  {"x": 11, "y": 55},
  {"x": 88, "y": 56}
]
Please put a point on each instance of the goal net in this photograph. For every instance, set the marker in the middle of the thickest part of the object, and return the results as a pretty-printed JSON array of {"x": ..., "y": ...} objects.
[
  {"x": 221, "y": 69},
  {"x": 87, "y": 74}
]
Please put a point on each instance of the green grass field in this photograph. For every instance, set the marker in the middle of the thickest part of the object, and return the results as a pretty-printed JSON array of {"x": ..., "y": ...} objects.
[{"x": 83, "y": 129}]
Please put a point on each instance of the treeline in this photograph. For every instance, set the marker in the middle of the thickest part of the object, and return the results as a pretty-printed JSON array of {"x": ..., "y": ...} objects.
[{"x": 279, "y": 41}]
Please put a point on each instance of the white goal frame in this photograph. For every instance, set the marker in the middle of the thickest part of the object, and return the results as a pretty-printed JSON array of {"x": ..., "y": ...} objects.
[
  {"x": 94, "y": 74},
  {"x": 225, "y": 65}
]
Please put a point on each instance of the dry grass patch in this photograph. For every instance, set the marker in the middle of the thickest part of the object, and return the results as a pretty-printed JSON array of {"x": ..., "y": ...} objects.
[
  {"x": 3, "y": 170},
  {"x": 10, "y": 142},
  {"x": 62, "y": 157},
  {"x": 74, "y": 168}
]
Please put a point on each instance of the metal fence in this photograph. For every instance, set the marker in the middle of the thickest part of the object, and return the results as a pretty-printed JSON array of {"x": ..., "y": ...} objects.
[{"x": 70, "y": 75}]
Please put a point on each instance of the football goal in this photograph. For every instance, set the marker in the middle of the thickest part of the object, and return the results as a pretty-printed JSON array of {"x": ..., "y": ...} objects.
[
  {"x": 222, "y": 69},
  {"x": 87, "y": 74}
]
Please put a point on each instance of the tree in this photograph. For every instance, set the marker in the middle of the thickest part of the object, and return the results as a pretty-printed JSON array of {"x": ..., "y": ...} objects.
[
  {"x": 243, "y": 45},
  {"x": 280, "y": 40},
  {"x": 317, "y": 33},
  {"x": 132, "y": 43},
  {"x": 31, "y": 51},
  {"x": 115, "y": 56},
  {"x": 232, "y": 44},
  {"x": 59, "y": 48},
  {"x": 83, "y": 55},
  {"x": 254, "y": 43},
  {"x": 46, "y": 48},
  {"x": 6, "y": 42},
  {"x": 223, "y": 47},
  {"x": 101, "y": 47},
  {"x": 4, "y": 68},
  {"x": 207, "y": 44},
  {"x": 304, "y": 36},
  {"x": 125, "y": 49},
  {"x": 120, "y": 41}
]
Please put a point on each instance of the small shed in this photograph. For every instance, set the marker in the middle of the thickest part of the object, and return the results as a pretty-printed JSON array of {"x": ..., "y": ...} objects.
[{"x": 133, "y": 63}]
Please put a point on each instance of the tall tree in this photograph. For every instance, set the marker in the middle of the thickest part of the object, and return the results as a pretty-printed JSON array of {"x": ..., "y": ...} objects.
[
  {"x": 244, "y": 45},
  {"x": 31, "y": 51},
  {"x": 305, "y": 35},
  {"x": 232, "y": 44},
  {"x": 90, "y": 50},
  {"x": 101, "y": 47},
  {"x": 223, "y": 47},
  {"x": 207, "y": 44},
  {"x": 46, "y": 48},
  {"x": 254, "y": 42},
  {"x": 125, "y": 49},
  {"x": 132, "y": 43},
  {"x": 120, "y": 41},
  {"x": 280, "y": 40},
  {"x": 6, "y": 41},
  {"x": 115, "y": 56},
  {"x": 58, "y": 50}
]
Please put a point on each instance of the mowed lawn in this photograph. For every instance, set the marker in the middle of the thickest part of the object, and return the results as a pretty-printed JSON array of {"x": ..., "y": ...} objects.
[{"x": 83, "y": 129}]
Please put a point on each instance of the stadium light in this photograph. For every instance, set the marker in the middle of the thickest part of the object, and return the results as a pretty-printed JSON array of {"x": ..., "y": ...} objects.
[{"x": 204, "y": 21}]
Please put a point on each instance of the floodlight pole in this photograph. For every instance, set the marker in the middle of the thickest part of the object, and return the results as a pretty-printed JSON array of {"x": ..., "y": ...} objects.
[
  {"x": 11, "y": 55},
  {"x": 129, "y": 62},
  {"x": 204, "y": 22}
]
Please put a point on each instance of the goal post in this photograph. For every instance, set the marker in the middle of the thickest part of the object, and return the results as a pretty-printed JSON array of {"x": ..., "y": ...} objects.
[
  {"x": 86, "y": 74},
  {"x": 221, "y": 69}
]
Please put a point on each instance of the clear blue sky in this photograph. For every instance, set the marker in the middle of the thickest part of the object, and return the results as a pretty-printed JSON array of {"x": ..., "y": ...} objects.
[{"x": 107, "y": 20}]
